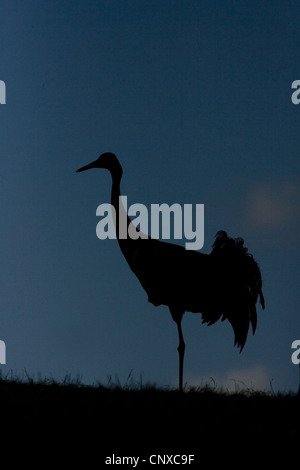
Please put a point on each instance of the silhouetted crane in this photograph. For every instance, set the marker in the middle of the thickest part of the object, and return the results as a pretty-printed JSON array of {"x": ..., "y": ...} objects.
[{"x": 225, "y": 283}]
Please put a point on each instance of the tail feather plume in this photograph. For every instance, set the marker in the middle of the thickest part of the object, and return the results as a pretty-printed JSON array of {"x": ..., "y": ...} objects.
[{"x": 238, "y": 288}]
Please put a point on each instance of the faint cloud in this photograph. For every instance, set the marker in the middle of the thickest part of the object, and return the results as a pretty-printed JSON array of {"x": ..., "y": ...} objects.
[
  {"x": 255, "y": 378},
  {"x": 274, "y": 204}
]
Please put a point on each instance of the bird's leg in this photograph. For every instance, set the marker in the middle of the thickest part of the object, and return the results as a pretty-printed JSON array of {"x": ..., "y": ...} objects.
[
  {"x": 177, "y": 317},
  {"x": 180, "y": 349}
]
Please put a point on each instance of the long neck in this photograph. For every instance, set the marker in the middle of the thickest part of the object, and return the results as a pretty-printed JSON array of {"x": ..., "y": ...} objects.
[
  {"x": 120, "y": 216},
  {"x": 126, "y": 232}
]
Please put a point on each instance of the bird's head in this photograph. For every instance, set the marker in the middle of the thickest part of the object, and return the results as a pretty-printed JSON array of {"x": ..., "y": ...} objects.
[{"x": 107, "y": 160}]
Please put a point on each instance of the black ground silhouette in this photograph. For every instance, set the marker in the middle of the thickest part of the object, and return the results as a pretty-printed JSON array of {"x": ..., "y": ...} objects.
[{"x": 67, "y": 424}]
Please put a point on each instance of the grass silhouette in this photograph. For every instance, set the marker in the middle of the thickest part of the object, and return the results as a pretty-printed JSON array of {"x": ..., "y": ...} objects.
[{"x": 73, "y": 420}]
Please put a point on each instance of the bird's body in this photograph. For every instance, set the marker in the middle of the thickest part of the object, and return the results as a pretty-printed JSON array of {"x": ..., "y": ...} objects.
[
  {"x": 216, "y": 284},
  {"x": 223, "y": 284}
]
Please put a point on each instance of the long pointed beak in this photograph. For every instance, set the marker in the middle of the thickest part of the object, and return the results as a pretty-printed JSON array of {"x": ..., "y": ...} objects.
[{"x": 86, "y": 167}]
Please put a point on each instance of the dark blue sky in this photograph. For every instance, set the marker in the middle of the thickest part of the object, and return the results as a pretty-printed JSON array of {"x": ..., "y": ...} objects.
[{"x": 194, "y": 97}]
